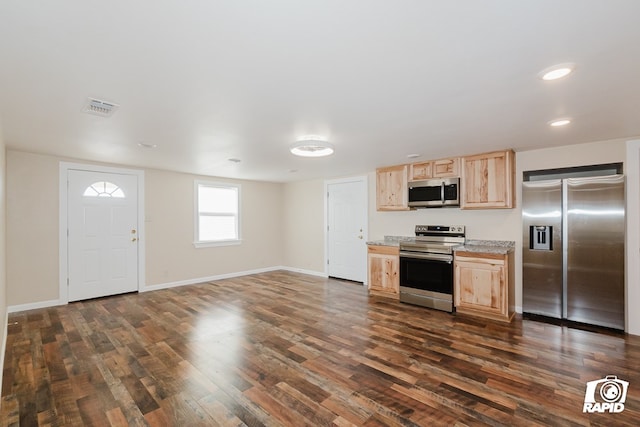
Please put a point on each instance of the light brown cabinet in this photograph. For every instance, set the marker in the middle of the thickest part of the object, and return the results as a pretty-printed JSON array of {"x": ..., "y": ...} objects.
[
  {"x": 391, "y": 188},
  {"x": 443, "y": 168},
  {"x": 484, "y": 285},
  {"x": 446, "y": 168},
  {"x": 419, "y": 171},
  {"x": 383, "y": 266},
  {"x": 488, "y": 181}
]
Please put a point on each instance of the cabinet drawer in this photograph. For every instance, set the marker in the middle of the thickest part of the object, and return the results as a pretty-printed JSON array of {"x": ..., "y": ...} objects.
[{"x": 383, "y": 250}]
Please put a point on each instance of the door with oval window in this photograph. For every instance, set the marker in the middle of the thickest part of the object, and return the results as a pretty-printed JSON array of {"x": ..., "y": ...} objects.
[{"x": 102, "y": 234}]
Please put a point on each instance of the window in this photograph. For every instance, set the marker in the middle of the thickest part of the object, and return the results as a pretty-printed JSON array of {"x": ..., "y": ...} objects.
[
  {"x": 217, "y": 214},
  {"x": 104, "y": 189}
]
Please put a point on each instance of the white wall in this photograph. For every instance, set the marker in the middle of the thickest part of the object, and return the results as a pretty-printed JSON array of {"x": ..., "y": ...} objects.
[
  {"x": 32, "y": 228},
  {"x": 171, "y": 258},
  {"x": 303, "y": 225},
  {"x": 3, "y": 234}
]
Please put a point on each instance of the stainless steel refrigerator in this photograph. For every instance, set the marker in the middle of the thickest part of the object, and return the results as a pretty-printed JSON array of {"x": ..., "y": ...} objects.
[{"x": 573, "y": 249}]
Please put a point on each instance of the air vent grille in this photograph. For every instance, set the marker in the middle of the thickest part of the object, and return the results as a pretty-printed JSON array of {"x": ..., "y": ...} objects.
[{"x": 99, "y": 108}]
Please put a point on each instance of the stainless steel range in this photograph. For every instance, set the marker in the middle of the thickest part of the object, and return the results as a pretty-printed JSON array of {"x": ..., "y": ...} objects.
[{"x": 426, "y": 266}]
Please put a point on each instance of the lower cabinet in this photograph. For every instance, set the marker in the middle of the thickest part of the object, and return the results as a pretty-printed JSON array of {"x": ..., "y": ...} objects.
[
  {"x": 383, "y": 265},
  {"x": 484, "y": 285}
]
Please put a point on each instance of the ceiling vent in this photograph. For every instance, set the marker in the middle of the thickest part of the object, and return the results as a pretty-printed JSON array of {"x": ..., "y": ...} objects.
[{"x": 99, "y": 108}]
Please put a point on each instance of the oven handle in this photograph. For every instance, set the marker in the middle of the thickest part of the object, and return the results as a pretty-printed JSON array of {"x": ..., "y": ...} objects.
[{"x": 432, "y": 257}]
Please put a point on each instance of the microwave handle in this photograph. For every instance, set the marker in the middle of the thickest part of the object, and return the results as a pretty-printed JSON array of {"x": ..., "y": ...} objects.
[{"x": 442, "y": 192}]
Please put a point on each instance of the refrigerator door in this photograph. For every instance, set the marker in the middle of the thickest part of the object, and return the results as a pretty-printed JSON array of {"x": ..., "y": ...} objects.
[
  {"x": 542, "y": 281},
  {"x": 595, "y": 250}
]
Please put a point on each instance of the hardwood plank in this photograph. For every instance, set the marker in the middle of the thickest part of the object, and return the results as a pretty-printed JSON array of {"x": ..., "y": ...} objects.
[{"x": 284, "y": 348}]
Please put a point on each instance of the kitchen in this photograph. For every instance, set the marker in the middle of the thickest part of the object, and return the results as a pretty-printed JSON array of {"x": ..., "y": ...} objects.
[{"x": 504, "y": 224}]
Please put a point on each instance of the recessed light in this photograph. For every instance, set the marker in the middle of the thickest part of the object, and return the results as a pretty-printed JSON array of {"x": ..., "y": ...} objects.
[
  {"x": 146, "y": 145},
  {"x": 559, "y": 122},
  {"x": 556, "y": 72},
  {"x": 412, "y": 156}
]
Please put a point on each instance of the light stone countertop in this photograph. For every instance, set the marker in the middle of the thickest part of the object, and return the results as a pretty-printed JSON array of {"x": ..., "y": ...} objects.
[
  {"x": 471, "y": 245},
  {"x": 390, "y": 241},
  {"x": 487, "y": 246}
]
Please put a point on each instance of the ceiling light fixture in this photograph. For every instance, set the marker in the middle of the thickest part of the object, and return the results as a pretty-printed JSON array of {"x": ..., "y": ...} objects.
[
  {"x": 311, "y": 146},
  {"x": 559, "y": 122},
  {"x": 556, "y": 72}
]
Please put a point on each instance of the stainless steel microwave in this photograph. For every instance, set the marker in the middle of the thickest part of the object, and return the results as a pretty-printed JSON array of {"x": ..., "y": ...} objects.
[{"x": 434, "y": 193}]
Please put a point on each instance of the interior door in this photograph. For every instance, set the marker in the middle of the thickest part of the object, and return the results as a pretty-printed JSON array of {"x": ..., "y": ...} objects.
[
  {"x": 347, "y": 220},
  {"x": 102, "y": 234}
]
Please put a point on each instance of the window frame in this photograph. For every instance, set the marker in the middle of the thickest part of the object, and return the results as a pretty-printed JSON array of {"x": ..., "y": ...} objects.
[{"x": 196, "y": 223}]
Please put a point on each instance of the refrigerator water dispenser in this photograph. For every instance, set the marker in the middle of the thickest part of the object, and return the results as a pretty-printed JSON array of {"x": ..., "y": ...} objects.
[{"x": 540, "y": 237}]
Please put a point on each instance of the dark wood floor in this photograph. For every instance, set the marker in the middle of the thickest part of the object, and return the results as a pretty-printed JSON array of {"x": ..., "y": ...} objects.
[{"x": 289, "y": 349}]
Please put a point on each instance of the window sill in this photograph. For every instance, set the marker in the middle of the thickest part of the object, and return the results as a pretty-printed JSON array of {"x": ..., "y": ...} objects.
[{"x": 217, "y": 243}]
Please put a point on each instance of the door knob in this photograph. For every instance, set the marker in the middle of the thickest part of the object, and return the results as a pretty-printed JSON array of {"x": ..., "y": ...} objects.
[
  {"x": 133, "y": 231},
  {"x": 133, "y": 239},
  {"x": 359, "y": 237}
]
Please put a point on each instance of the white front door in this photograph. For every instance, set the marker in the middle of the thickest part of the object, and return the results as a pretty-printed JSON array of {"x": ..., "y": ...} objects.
[
  {"x": 102, "y": 226},
  {"x": 347, "y": 221}
]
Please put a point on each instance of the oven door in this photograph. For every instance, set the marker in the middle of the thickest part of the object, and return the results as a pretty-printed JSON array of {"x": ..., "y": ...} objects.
[{"x": 427, "y": 279}]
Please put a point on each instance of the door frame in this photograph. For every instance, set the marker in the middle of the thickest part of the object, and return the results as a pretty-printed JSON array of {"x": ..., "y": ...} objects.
[
  {"x": 365, "y": 232},
  {"x": 65, "y": 167},
  {"x": 632, "y": 246}
]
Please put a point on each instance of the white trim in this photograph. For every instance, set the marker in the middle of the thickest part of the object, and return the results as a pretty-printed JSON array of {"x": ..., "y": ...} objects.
[
  {"x": 199, "y": 280},
  {"x": 632, "y": 246},
  {"x": 304, "y": 271},
  {"x": 53, "y": 303},
  {"x": 365, "y": 231},
  {"x": 65, "y": 167},
  {"x": 217, "y": 243},
  {"x": 34, "y": 305}
]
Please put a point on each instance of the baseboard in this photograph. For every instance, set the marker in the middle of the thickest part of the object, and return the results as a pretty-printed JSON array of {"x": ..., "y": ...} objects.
[
  {"x": 33, "y": 305},
  {"x": 52, "y": 303},
  {"x": 207, "y": 279},
  {"x": 229, "y": 276},
  {"x": 303, "y": 271}
]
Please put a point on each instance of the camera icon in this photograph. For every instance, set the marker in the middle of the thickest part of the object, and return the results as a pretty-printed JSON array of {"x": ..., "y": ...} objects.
[{"x": 605, "y": 395}]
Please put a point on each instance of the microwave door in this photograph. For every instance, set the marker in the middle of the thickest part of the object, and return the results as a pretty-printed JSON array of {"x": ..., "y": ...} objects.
[{"x": 425, "y": 196}]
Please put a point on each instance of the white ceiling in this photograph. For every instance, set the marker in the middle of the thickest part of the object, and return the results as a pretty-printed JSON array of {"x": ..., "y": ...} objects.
[{"x": 209, "y": 80}]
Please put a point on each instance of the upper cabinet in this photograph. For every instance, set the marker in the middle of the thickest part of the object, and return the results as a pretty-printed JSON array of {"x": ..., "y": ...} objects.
[
  {"x": 488, "y": 181},
  {"x": 391, "y": 188},
  {"x": 446, "y": 168},
  {"x": 443, "y": 168}
]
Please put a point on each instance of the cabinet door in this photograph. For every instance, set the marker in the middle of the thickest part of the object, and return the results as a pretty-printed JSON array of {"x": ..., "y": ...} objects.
[
  {"x": 420, "y": 171},
  {"x": 481, "y": 286},
  {"x": 446, "y": 168},
  {"x": 391, "y": 188},
  {"x": 384, "y": 270},
  {"x": 488, "y": 180}
]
